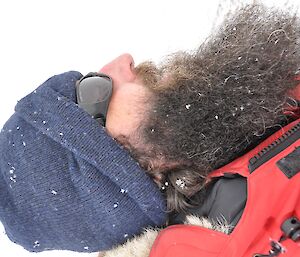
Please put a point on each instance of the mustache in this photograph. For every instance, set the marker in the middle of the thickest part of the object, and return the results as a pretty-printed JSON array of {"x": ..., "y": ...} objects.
[{"x": 148, "y": 73}]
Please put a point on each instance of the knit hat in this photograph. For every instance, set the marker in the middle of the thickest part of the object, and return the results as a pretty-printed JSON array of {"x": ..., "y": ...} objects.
[{"x": 64, "y": 183}]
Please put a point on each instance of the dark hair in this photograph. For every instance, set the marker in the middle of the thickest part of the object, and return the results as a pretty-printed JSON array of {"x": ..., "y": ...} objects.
[{"x": 217, "y": 102}]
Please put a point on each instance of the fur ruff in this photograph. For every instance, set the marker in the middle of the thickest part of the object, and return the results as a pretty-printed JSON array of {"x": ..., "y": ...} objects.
[{"x": 140, "y": 246}]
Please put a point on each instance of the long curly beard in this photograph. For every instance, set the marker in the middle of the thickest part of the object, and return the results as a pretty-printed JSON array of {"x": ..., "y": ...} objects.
[
  {"x": 213, "y": 104},
  {"x": 224, "y": 97}
]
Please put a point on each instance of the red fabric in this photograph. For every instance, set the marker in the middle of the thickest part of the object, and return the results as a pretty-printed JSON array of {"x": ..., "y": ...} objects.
[
  {"x": 272, "y": 198},
  {"x": 187, "y": 240}
]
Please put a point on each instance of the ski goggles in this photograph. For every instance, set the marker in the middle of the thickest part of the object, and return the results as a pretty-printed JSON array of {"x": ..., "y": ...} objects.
[{"x": 93, "y": 93}]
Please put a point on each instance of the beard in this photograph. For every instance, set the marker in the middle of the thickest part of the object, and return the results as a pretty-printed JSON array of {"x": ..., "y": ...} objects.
[{"x": 219, "y": 101}]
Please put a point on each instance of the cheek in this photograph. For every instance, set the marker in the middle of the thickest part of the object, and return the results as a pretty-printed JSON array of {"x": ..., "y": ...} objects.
[{"x": 123, "y": 115}]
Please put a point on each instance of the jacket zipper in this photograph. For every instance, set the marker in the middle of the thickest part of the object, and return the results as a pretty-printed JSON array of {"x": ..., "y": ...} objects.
[{"x": 288, "y": 138}]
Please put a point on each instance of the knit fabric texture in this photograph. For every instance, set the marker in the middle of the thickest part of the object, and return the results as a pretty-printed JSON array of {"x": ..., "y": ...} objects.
[{"x": 64, "y": 183}]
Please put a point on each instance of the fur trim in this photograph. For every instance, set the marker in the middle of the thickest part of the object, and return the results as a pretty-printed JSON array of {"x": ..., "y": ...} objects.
[
  {"x": 219, "y": 225},
  {"x": 138, "y": 246}
]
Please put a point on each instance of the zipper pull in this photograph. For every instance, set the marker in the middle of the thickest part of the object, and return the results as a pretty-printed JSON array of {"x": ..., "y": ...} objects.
[{"x": 275, "y": 250}]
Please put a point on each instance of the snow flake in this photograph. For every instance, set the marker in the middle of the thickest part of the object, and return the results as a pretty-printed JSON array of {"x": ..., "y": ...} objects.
[
  {"x": 59, "y": 98},
  {"x": 113, "y": 225},
  {"x": 11, "y": 166},
  {"x": 36, "y": 244},
  {"x": 86, "y": 248},
  {"x": 216, "y": 117},
  {"x": 123, "y": 191},
  {"x": 18, "y": 128},
  {"x": 242, "y": 108},
  {"x": 61, "y": 134},
  {"x": 180, "y": 183},
  {"x": 187, "y": 106},
  {"x": 165, "y": 185},
  {"x": 35, "y": 112},
  {"x": 13, "y": 179},
  {"x": 125, "y": 235},
  {"x": 24, "y": 144},
  {"x": 116, "y": 205},
  {"x": 9, "y": 130},
  {"x": 152, "y": 130},
  {"x": 240, "y": 57},
  {"x": 234, "y": 29},
  {"x": 53, "y": 192},
  {"x": 44, "y": 122}
]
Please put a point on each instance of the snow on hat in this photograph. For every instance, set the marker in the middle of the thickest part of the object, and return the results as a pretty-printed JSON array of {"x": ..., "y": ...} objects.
[{"x": 64, "y": 183}]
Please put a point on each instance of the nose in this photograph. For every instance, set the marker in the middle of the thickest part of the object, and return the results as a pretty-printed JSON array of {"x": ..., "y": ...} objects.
[{"x": 121, "y": 69}]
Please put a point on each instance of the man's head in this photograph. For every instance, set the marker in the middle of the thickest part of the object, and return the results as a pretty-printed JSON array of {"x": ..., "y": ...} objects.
[{"x": 202, "y": 109}]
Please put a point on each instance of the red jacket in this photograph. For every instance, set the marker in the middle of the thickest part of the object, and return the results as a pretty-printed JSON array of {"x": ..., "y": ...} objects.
[{"x": 273, "y": 179}]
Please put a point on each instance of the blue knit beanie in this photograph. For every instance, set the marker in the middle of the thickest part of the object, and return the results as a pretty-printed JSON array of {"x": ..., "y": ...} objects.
[{"x": 64, "y": 183}]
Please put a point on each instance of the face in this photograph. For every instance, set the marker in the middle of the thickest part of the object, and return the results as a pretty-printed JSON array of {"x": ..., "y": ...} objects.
[{"x": 127, "y": 106}]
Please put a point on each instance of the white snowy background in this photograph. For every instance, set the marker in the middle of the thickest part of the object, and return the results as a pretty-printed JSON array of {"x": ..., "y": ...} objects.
[{"x": 41, "y": 38}]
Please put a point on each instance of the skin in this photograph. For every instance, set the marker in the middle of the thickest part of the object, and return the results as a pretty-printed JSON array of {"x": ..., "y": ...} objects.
[{"x": 126, "y": 110}]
